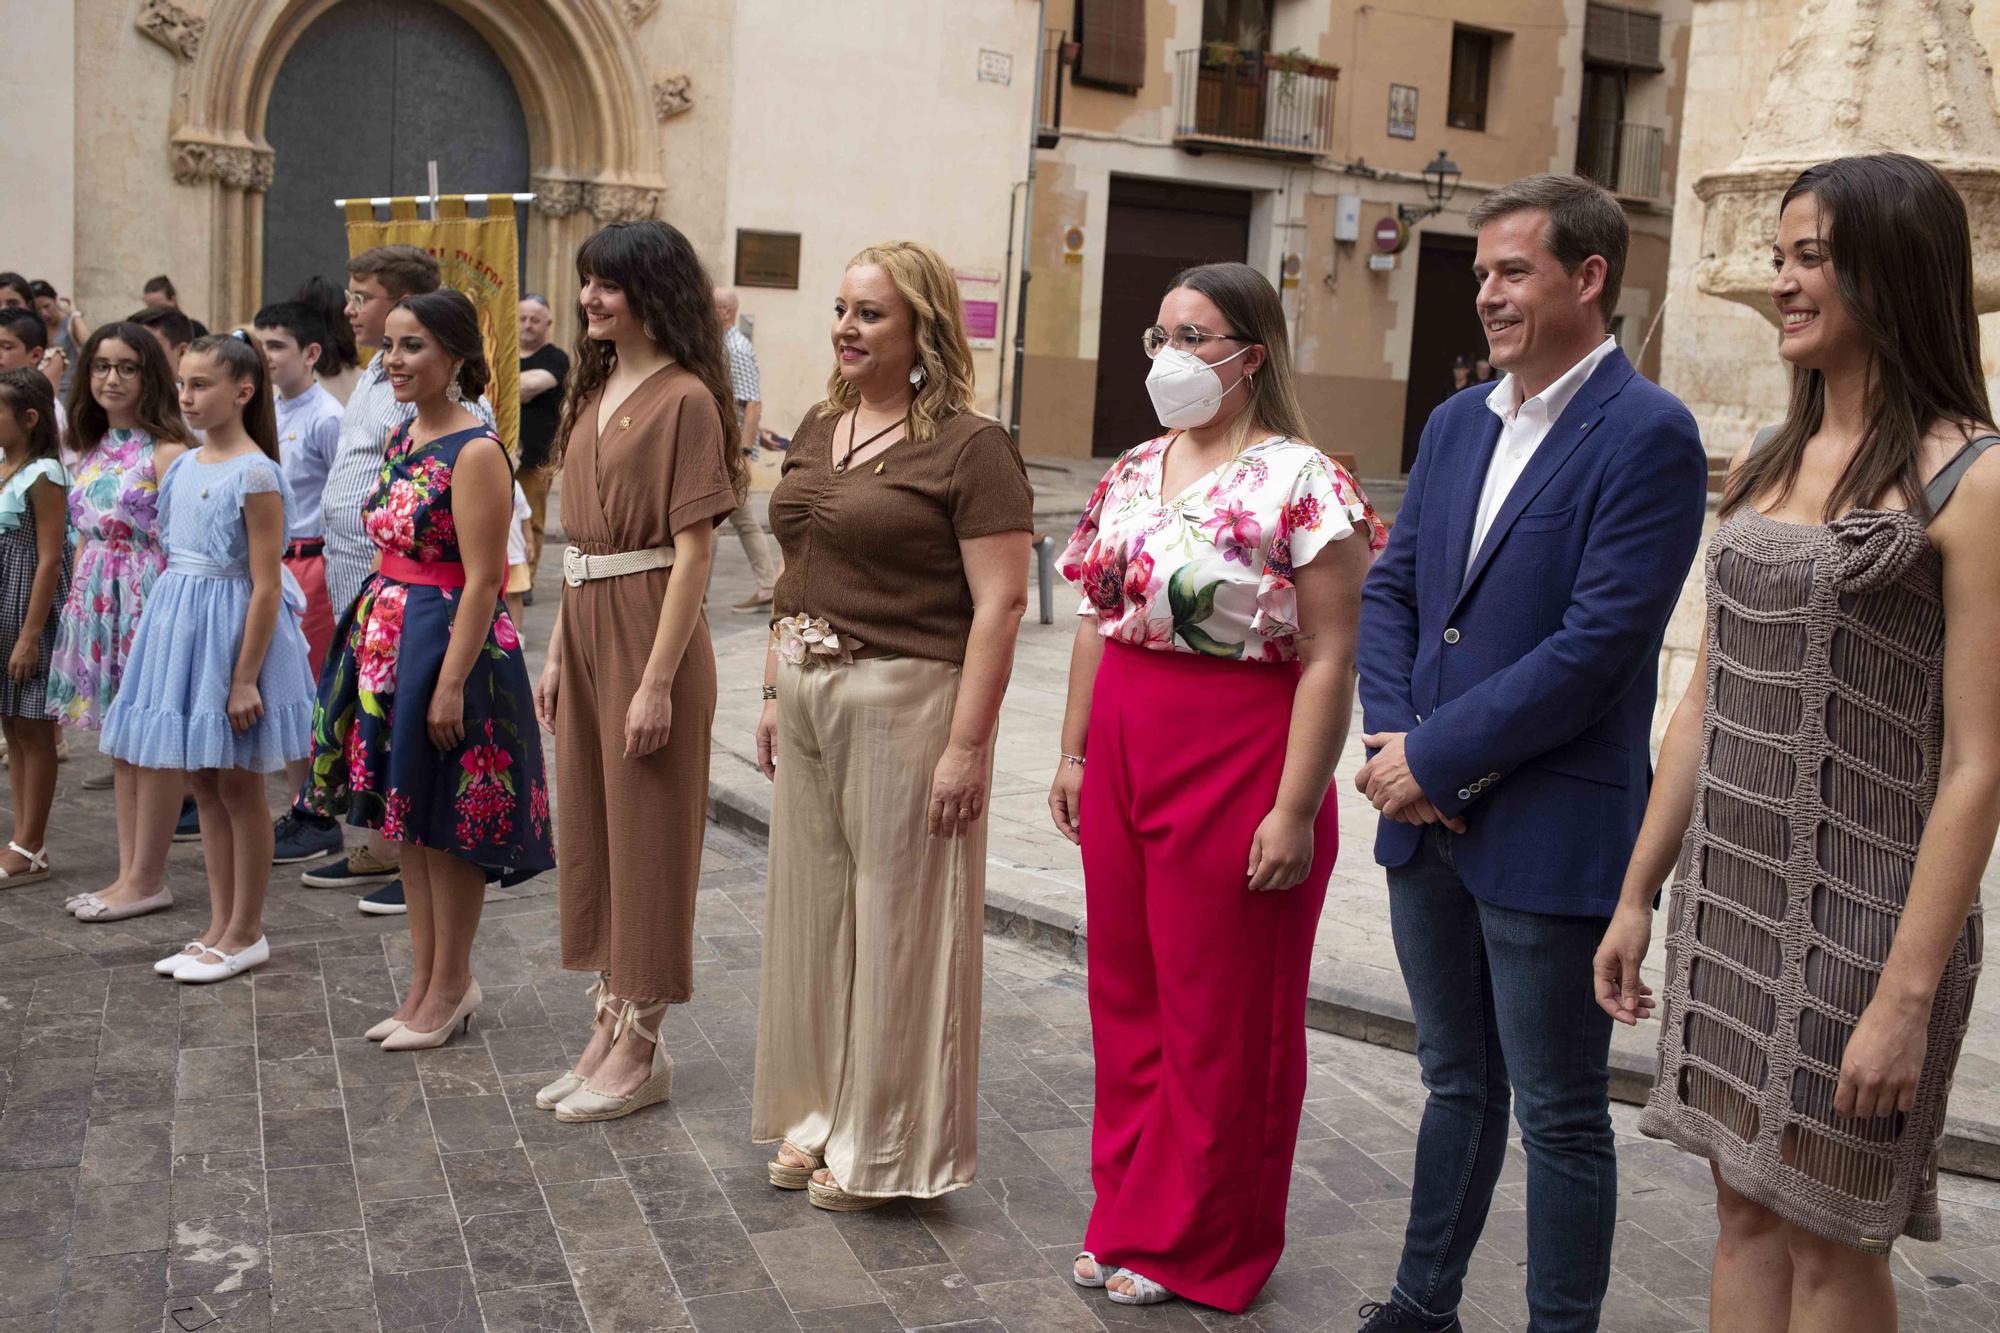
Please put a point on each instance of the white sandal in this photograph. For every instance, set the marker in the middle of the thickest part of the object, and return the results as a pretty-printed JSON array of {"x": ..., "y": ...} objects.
[
  {"x": 1145, "y": 1291},
  {"x": 1096, "y": 1278},
  {"x": 38, "y": 866}
]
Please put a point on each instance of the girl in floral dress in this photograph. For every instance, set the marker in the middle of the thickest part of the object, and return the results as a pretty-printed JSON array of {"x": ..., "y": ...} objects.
[
  {"x": 425, "y": 727},
  {"x": 1221, "y": 562},
  {"x": 125, "y": 430}
]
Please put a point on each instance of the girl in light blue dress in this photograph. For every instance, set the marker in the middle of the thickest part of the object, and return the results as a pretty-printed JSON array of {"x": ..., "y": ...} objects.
[{"x": 219, "y": 687}]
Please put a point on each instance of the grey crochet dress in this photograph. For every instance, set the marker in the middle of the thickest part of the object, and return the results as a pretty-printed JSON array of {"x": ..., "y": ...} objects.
[{"x": 1820, "y": 745}]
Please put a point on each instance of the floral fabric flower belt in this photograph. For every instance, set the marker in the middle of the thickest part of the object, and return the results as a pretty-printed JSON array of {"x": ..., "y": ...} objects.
[{"x": 806, "y": 640}]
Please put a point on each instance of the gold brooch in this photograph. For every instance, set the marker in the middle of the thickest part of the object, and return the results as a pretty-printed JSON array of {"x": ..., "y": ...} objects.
[{"x": 624, "y": 423}]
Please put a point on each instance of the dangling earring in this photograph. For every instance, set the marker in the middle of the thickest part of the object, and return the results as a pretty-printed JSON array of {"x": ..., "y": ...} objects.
[
  {"x": 916, "y": 376},
  {"x": 451, "y": 390},
  {"x": 651, "y": 334}
]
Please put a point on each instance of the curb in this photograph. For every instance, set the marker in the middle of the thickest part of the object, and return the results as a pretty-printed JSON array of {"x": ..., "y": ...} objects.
[{"x": 1358, "y": 1011}]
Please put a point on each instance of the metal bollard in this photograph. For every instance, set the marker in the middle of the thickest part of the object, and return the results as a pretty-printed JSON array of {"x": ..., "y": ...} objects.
[{"x": 1045, "y": 554}]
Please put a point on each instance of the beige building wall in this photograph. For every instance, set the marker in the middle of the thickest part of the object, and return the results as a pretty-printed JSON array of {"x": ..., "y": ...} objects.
[
  {"x": 1352, "y": 326},
  {"x": 38, "y": 143}
]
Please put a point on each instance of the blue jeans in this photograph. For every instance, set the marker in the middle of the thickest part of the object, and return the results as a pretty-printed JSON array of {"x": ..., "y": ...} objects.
[{"x": 1504, "y": 997}]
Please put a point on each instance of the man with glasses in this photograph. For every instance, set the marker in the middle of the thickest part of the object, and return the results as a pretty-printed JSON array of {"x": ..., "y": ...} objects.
[{"x": 377, "y": 279}]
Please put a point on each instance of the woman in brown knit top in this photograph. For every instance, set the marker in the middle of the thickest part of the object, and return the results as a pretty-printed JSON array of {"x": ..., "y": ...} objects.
[
  {"x": 1831, "y": 782},
  {"x": 904, "y": 520}
]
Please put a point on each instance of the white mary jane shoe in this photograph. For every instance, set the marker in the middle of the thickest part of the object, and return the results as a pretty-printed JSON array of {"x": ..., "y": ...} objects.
[
  {"x": 171, "y": 964},
  {"x": 198, "y": 972}
]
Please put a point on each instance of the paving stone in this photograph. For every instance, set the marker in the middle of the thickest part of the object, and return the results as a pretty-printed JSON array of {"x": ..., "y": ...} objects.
[
  {"x": 440, "y": 1300},
  {"x": 596, "y": 1215},
  {"x": 709, "y": 1255},
  {"x": 499, "y": 1180},
  {"x": 412, "y": 1235},
  {"x": 550, "y": 1309},
  {"x": 218, "y": 1254},
  {"x": 218, "y": 1184},
  {"x": 312, "y": 1198},
  {"x": 741, "y": 1312},
  {"x": 306, "y": 1138},
  {"x": 119, "y": 1154},
  {"x": 320, "y": 1273},
  {"x": 514, "y": 1250},
  {"x": 37, "y": 1202},
  {"x": 627, "y": 1291},
  {"x": 813, "y": 1268},
  {"x": 472, "y": 1124},
  {"x": 121, "y": 1219},
  {"x": 309, "y": 1083},
  {"x": 34, "y": 1267},
  {"x": 31, "y": 1139}
]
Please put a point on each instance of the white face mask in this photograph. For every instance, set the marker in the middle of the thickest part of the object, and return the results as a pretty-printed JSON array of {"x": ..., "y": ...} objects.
[{"x": 1185, "y": 389}]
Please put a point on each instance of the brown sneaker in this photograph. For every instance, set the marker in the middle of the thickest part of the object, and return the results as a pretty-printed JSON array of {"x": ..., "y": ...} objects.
[
  {"x": 756, "y": 601},
  {"x": 359, "y": 869}
]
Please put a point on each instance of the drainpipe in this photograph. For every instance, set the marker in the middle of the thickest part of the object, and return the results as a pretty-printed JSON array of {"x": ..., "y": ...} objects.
[{"x": 1028, "y": 220}]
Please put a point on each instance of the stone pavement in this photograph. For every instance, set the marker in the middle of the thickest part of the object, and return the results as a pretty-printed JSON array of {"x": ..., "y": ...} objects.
[{"x": 1035, "y": 879}]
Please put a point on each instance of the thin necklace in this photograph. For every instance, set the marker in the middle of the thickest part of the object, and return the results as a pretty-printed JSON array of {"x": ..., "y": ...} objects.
[{"x": 852, "y": 447}]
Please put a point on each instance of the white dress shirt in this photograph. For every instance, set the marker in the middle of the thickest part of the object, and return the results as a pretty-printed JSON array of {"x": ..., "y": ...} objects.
[{"x": 1523, "y": 427}]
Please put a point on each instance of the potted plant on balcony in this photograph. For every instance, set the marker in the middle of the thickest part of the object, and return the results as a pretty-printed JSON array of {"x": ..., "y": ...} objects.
[{"x": 1283, "y": 68}]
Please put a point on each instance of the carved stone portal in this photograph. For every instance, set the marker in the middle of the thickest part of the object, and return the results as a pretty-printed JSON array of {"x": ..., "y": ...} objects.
[
  {"x": 172, "y": 27},
  {"x": 1860, "y": 76},
  {"x": 638, "y": 11},
  {"x": 623, "y": 203},
  {"x": 672, "y": 96},
  {"x": 558, "y": 197},
  {"x": 236, "y": 165}
]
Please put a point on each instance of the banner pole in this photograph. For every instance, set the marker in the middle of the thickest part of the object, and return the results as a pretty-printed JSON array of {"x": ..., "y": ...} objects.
[{"x": 432, "y": 168}]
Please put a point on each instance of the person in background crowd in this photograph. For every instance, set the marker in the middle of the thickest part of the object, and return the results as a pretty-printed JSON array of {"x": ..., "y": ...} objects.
[
  {"x": 125, "y": 426},
  {"x": 173, "y": 329},
  {"x": 1510, "y": 637},
  {"x": 1830, "y": 784},
  {"x": 544, "y": 370},
  {"x": 1461, "y": 374},
  {"x": 218, "y": 691},
  {"x": 629, "y": 682},
  {"x": 16, "y": 292},
  {"x": 293, "y": 340},
  {"x": 159, "y": 294},
  {"x": 339, "y": 364},
  {"x": 34, "y": 583},
  {"x": 425, "y": 727},
  {"x": 1207, "y": 850},
  {"x": 66, "y": 330},
  {"x": 747, "y": 392},
  {"x": 24, "y": 346},
  {"x": 379, "y": 278},
  {"x": 904, "y": 517},
  {"x": 1482, "y": 371}
]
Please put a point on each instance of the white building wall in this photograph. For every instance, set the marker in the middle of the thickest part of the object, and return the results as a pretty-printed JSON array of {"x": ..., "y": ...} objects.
[{"x": 38, "y": 142}]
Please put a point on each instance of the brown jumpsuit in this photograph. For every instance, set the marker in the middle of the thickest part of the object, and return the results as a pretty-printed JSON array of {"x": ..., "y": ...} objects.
[{"x": 630, "y": 852}]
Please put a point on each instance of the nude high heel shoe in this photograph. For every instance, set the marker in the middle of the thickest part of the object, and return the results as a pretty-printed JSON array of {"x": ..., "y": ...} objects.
[
  {"x": 587, "y": 1103},
  {"x": 407, "y": 1038},
  {"x": 553, "y": 1093}
]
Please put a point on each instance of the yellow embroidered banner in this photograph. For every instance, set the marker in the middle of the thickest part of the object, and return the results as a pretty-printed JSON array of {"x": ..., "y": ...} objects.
[{"x": 478, "y": 257}]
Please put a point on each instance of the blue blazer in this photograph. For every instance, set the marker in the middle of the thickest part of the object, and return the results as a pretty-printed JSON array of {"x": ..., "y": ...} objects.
[{"x": 1526, "y": 681}]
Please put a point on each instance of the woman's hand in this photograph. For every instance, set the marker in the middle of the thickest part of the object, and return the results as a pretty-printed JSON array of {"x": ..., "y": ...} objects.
[
  {"x": 767, "y": 740},
  {"x": 648, "y": 718},
  {"x": 447, "y": 715},
  {"x": 1066, "y": 801},
  {"x": 546, "y": 686},
  {"x": 1281, "y": 851},
  {"x": 1620, "y": 992},
  {"x": 1884, "y": 1059},
  {"x": 245, "y": 705},
  {"x": 958, "y": 790},
  {"x": 21, "y": 662}
]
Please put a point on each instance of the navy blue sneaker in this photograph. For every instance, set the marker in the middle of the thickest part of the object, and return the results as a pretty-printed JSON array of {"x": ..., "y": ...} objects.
[
  {"x": 189, "y": 828},
  {"x": 296, "y": 837},
  {"x": 385, "y": 901},
  {"x": 1383, "y": 1317},
  {"x": 358, "y": 869}
]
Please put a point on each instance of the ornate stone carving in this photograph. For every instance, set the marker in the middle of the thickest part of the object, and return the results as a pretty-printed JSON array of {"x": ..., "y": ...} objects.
[
  {"x": 558, "y": 197},
  {"x": 623, "y": 203},
  {"x": 638, "y": 11},
  {"x": 671, "y": 96},
  {"x": 239, "y": 166},
  {"x": 1859, "y": 76},
  {"x": 172, "y": 27}
]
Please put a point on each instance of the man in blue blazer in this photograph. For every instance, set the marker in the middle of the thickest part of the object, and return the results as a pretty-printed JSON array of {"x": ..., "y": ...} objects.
[{"x": 1510, "y": 636}]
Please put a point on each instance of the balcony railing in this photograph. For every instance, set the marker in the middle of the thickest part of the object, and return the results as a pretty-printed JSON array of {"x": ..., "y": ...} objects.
[
  {"x": 1253, "y": 103},
  {"x": 1622, "y": 157},
  {"x": 1055, "y": 58}
]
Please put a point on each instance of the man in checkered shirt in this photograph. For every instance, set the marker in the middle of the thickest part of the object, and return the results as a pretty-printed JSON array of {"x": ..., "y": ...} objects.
[
  {"x": 748, "y": 394},
  {"x": 377, "y": 280}
]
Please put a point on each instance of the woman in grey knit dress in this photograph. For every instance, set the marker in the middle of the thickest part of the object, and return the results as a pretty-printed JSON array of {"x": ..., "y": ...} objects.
[{"x": 1831, "y": 782}]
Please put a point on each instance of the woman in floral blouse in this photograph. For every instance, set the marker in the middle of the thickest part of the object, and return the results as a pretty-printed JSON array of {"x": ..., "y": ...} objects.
[
  {"x": 425, "y": 727},
  {"x": 1215, "y": 566}
]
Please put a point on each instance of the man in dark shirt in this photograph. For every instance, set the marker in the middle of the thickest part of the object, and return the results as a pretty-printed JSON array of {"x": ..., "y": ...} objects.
[{"x": 544, "y": 368}]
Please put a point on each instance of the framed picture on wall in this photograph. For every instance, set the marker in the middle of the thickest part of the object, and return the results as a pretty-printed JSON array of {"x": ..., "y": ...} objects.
[{"x": 1402, "y": 111}]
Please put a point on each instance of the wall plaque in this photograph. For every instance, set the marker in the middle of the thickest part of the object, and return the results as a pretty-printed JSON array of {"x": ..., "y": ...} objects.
[{"x": 767, "y": 259}]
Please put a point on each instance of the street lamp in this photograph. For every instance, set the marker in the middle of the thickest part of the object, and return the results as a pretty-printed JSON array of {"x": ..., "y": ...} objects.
[{"x": 1440, "y": 183}]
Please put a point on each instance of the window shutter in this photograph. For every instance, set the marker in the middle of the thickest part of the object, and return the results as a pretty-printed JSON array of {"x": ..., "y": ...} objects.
[
  {"x": 1112, "y": 35},
  {"x": 1627, "y": 38}
]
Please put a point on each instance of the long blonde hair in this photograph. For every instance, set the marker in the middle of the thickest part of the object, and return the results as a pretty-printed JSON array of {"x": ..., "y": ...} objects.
[{"x": 927, "y": 285}]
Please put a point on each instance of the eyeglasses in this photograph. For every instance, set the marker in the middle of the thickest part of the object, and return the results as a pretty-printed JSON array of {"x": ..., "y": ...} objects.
[
  {"x": 358, "y": 298},
  {"x": 1184, "y": 338},
  {"x": 123, "y": 370}
]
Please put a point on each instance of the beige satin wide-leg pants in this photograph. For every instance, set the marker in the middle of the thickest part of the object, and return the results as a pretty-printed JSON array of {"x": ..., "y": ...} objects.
[{"x": 868, "y": 1021}]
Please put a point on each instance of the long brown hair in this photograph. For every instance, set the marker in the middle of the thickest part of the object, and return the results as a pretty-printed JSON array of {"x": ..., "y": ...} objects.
[
  {"x": 244, "y": 360},
  {"x": 158, "y": 412},
  {"x": 1250, "y": 304},
  {"x": 1896, "y": 234},
  {"x": 668, "y": 292},
  {"x": 27, "y": 389},
  {"x": 928, "y": 287}
]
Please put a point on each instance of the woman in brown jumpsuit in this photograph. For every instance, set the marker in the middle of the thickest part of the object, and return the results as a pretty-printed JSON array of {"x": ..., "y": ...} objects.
[{"x": 629, "y": 685}]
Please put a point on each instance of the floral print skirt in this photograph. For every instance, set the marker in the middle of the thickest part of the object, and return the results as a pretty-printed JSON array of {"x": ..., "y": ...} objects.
[{"x": 486, "y": 799}]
